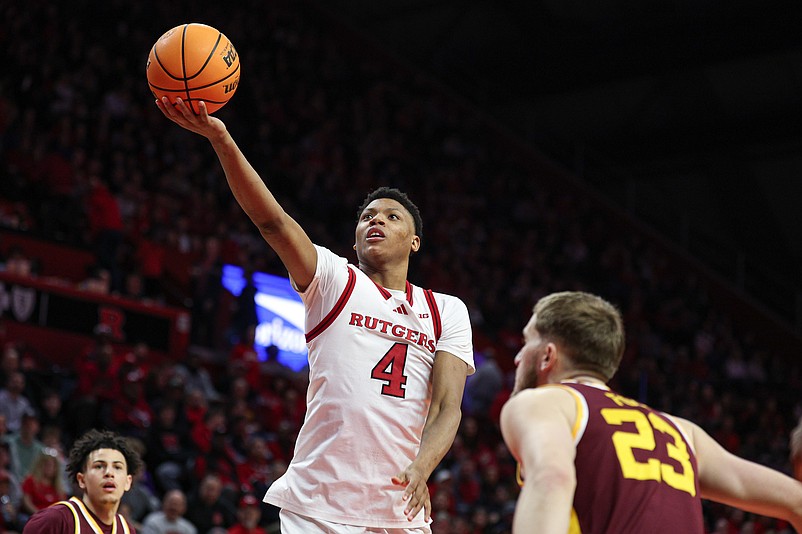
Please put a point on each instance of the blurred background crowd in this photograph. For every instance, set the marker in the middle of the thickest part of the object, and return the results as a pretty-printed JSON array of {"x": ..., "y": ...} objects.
[{"x": 88, "y": 162}]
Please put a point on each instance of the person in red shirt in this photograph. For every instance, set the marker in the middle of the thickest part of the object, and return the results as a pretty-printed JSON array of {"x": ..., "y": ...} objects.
[
  {"x": 43, "y": 485},
  {"x": 105, "y": 226},
  {"x": 131, "y": 414},
  {"x": 151, "y": 255},
  {"x": 256, "y": 471},
  {"x": 249, "y": 513},
  {"x": 244, "y": 361},
  {"x": 221, "y": 460},
  {"x": 98, "y": 369}
]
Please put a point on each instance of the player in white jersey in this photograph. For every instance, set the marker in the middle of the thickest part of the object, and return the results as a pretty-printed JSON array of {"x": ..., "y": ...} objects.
[
  {"x": 371, "y": 354},
  {"x": 387, "y": 360}
]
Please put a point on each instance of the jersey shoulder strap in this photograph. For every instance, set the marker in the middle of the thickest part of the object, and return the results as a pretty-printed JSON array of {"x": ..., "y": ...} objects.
[
  {"x": 124, "y": 523},
  {"x": 338, "y": 307},
  {"x": 71, "y": 505},
  {"x": 75, "y": 505},
  {"x": 435, "y": 311}
]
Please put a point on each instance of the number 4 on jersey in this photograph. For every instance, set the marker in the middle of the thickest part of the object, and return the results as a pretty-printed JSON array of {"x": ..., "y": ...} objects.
[{"x": 390, "y": 369}]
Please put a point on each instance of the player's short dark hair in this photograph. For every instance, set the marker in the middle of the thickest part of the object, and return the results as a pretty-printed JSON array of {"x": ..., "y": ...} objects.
[
  {"x": 400, "y": 197},
  {"x": 101, "y": 439}
]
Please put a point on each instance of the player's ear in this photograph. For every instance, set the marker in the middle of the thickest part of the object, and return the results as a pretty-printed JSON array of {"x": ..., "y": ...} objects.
[
  {"x": 415, "y": 243},
  {"x": 549, "y": 359},
  {"x": 79, "y": 477}
]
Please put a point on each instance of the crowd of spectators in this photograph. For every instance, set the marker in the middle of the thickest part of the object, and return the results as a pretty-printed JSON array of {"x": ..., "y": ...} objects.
[{"x": 88, "y": 160}]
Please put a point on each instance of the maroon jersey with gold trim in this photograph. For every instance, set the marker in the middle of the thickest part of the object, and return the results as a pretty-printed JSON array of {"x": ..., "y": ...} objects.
[
  {"x": 59, "y": 518},
  {"x": 635, "y": 470}
]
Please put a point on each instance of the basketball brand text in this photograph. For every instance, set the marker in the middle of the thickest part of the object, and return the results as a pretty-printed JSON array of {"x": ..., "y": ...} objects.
[
  {"x": 230, "y": 55},
  {"x": 230, "y": 87}
]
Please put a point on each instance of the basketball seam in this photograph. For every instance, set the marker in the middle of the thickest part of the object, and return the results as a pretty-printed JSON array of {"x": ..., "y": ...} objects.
[
  {"x": 186, "y": 76},
  {"x": 211, "y": 54},
  {"x": 179, "y": 78},
  {"x": 194, "y": 88},
  {"x": 184, "y": 58}
]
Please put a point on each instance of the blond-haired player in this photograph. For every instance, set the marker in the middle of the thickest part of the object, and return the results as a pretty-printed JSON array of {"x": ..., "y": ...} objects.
[{"x": 594, "y": 461}]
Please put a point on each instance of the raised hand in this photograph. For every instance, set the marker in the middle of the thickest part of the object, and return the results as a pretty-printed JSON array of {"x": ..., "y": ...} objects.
[{"x": 180, "y": 113}]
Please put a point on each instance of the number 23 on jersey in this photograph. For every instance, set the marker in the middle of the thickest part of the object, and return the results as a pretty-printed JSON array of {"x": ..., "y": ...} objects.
[{"x": 642, "y": 438}]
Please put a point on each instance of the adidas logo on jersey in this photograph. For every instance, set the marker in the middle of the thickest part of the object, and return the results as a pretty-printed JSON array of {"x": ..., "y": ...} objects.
[{"x": 401, "y": 310}]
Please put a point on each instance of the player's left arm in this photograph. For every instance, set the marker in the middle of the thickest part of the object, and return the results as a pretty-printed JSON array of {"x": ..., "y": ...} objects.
[
  {"x": 448, "y": 384},
  {"x": 536, "y": 425},
  {"x": 729, "y": 479}
]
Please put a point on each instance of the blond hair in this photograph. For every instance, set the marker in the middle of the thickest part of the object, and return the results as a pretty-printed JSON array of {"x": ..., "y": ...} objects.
[
  {"x": 38, "y": 467},
  {"x": 586, "y": 326}
]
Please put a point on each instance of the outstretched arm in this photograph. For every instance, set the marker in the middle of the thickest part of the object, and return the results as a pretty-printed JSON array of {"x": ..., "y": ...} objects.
[
  {"x": 284, "y": 235},
  {"x": 795, "y": 443},
  {"x": 728, "y": 479},
  {"x": 536, "y": 425},
  {"x": 448, "y": 383}
]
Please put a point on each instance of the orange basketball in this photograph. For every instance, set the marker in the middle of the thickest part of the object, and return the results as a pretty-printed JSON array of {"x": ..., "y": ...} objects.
[{"x": 195, "y": 62}]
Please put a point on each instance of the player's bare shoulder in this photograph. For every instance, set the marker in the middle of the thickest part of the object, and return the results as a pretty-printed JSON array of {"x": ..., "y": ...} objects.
[
  {"x": 550, "y": 397},
  {"x": 690, "y": 430}
]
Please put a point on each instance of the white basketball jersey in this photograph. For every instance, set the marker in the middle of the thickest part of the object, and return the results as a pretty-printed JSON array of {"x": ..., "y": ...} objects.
[{"x": 371, "y": 353}]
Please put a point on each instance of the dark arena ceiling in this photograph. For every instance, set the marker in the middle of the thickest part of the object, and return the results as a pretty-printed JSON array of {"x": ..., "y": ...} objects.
[{"x": 686, "y": 113}]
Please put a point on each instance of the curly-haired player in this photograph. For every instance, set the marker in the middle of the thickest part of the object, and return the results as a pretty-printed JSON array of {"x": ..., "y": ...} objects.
[{"x": 102, "y": 464}]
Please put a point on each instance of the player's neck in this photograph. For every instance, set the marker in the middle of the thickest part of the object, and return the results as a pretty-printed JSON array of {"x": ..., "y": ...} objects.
[
  {"x": 103, "y": 512},
  {"x": 583, "y": 377},
  {"x": 392, "y": 277}
]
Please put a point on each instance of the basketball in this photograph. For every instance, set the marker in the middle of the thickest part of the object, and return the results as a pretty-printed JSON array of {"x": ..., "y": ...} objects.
[{"x": 195, "y": 62}]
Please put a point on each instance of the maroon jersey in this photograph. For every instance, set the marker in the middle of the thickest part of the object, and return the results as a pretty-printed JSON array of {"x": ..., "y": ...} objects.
[
  {"x": 73, "y": 517},
  {"x": 635, "y": 470}
]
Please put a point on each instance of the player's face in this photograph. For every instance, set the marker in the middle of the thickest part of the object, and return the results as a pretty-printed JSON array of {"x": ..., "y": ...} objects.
[
  {"x": 105, "y": 477},
  {"x": 527, "y": 361},
  {"x": 385, "y": 228}
]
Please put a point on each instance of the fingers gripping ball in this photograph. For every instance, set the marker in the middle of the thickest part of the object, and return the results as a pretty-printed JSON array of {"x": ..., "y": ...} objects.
[{"x": 195, "y": 62}]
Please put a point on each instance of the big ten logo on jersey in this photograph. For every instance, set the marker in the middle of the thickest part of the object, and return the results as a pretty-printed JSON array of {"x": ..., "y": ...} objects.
[{"x": 657, "y": 459}]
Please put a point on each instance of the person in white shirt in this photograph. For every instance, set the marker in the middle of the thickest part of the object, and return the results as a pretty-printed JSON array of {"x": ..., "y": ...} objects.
[
  {"x": 388, "y": 360},
  {"x": 13, "y": 402},
  {"x": 170, "y": 519}
]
